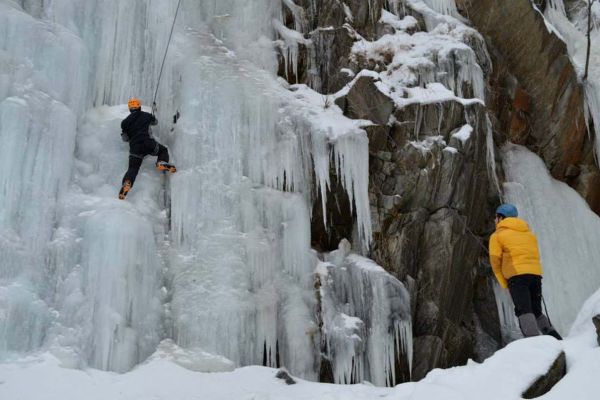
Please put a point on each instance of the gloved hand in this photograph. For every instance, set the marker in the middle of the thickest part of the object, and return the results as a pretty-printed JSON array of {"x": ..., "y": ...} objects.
[{"x": 124, "y": 137}]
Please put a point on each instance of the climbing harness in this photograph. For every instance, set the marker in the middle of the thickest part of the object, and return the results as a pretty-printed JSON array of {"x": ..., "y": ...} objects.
[{"x": 164, "y": 58}]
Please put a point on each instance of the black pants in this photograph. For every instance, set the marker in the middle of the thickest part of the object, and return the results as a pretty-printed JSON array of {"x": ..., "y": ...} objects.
[
  {"x": 138, "y": 151},
  {"x": 526, "y": 292}
]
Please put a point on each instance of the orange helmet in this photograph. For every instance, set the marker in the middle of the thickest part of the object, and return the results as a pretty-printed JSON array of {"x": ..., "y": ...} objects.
[{"x": 134, "y": 103}]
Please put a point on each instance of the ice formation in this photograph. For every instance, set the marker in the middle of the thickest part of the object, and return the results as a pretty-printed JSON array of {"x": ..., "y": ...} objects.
[
  {"x": 216, "y": 257},
  {"x": 567, "y": 233},
  {"x": 366, "y": 318}
]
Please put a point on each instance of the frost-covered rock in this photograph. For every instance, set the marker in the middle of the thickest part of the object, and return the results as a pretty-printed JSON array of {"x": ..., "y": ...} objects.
[{"x": 596, "y": 321}]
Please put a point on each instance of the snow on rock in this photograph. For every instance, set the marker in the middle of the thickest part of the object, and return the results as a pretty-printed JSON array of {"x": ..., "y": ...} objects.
[
  {"x": 464, "y": 133},
  {"x": 404, "y": 24},
  {"x": 439, "y": 61}
]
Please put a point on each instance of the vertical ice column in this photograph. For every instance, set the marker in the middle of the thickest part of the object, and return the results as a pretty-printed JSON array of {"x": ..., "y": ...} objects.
[
  {"x": 43, "y": 71},
  {"x": 566, "y": 228},
  {"x": 366, "y": 319},
  {"x": 446, "y": 7},
  {"x": 121, "y": 282},
  {"x": 241, "y": 261}
]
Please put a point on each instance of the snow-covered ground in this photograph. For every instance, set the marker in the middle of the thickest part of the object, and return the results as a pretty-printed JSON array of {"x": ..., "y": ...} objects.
[{"x": 173, "y": 374}]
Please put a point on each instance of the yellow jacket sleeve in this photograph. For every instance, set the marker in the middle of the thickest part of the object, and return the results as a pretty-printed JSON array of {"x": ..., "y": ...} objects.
[{"x": 496, "y": 260}]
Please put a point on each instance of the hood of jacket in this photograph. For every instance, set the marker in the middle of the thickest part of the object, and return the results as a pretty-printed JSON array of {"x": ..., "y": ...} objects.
[{"x": 515, "y": 224}]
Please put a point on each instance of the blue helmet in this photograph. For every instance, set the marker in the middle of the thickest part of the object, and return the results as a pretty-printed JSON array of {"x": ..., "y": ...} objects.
[{"x": 507, "y": 210}]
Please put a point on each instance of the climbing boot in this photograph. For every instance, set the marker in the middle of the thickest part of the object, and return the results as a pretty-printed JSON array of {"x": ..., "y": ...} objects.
[
  {"x": 528, "y": 325},
  {"x": 546, "y": 328},
  {"x": 125, "y": 189},
  {"x": 165, "y": 167}
]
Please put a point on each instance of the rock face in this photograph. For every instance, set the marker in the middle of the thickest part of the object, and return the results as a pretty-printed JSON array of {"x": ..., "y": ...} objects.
[
  {"x": 430, "y": 190},
  {"x": 546, "y": 382},
  {"x": 537, "y": 99},
  {"x": 596, "y": 321},
  {"x": 430, "y": 204}
]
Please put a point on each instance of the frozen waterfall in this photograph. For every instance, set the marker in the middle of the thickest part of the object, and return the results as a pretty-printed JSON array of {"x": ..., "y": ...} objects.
[
  {"x": 216, "y": 257},
  {"x": 567, "y": 233}
]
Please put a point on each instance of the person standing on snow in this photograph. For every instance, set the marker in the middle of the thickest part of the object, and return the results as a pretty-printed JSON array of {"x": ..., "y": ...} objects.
[
  {"x": 515, "y": 260},
  {"x": 136, "y": 130}
]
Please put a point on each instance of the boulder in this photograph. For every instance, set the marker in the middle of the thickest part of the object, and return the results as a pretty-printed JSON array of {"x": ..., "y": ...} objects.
[
  {"x": 545, "y": 383},
  {"x": 365, "y": 101},
  {"x": 596, "y": 321}
]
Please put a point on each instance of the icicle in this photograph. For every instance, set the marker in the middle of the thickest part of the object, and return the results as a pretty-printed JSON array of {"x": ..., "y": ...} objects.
[
  {"x": 509, "y": 325},
  {"x": 352, "y": 160},
  {"x": 293, "y": 39},
  {"x": 366, "y": 319},
  {"x": 491, "y": 154},
  {"x": 446, "y": 7}
]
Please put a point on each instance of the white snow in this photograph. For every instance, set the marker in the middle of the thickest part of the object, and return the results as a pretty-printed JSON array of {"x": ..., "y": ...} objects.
[
  {"x": 406, "y": 23},
  {"x": 504, "y": 376},
  {"x": 439, "y": 57},
  {"x": 464, "y": 133}
]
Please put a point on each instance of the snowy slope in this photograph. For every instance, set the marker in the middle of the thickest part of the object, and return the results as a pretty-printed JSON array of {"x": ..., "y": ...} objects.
[{"x": 172, "y": 374}]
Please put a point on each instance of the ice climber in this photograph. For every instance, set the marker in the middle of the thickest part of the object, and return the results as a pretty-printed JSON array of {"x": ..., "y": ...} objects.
[
  {"x": 515, "y": 260},
  {"x": 136, "y": 130}
]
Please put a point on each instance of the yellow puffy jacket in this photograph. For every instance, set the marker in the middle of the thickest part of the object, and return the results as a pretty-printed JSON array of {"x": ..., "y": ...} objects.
[{"x": 514, "y": 250}]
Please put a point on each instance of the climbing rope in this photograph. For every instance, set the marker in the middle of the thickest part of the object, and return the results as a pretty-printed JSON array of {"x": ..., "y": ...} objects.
[{"x": 165, "y": 57}]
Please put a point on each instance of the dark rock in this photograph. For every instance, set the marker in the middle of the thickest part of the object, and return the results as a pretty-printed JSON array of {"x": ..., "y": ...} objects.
[
  {"x": 365, "y": 101},
  {"x": 340, "y": 220},
  {"x": 285, "y": 376},
  {"x": 428, "y": 351},
  {"x": 596, "y": 321},
  {"x": 332, "y": 49},
  {"x": 546, "y": 382}
]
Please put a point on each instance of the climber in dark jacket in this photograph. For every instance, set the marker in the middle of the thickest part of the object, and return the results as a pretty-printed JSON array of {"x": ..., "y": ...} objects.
[{"x": 136, "y": 130}]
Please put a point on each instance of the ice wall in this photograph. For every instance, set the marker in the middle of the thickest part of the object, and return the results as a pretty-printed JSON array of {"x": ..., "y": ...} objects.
[
  {"x": 42, "y": 84},
  {"x": 217, "y": 256},
  {"x": 567, "y": 233}
]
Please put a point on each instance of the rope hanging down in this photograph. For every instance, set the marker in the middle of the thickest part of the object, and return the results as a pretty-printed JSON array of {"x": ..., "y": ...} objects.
[{"x": 165, "y": 57}]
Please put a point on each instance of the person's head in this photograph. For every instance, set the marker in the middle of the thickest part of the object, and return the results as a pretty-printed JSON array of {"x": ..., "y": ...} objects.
[
  {"x": 506, "y": 211},
  {"x": 134, "y": 104}
]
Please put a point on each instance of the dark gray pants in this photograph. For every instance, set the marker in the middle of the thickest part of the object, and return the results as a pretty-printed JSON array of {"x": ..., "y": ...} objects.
[{"x": 138, "y": 151}]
